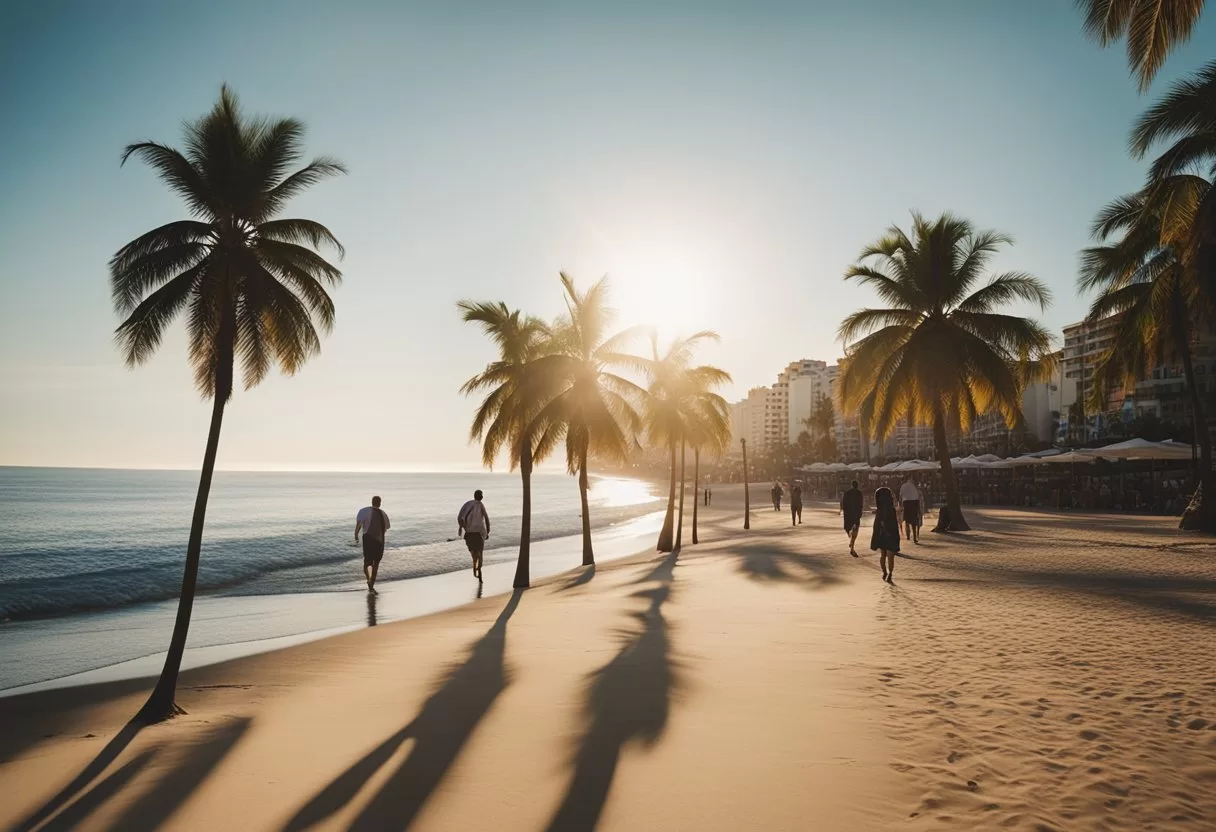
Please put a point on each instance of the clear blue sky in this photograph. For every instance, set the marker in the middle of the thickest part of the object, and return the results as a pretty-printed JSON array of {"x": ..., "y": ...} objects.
[{"x": 723, "y": 163}]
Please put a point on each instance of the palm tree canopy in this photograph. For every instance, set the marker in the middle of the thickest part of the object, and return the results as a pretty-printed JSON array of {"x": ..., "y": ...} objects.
[
  {"x": 1185, "y": 116},
  {"x": 1141, "y": 278},
  {"x": 251, "y": 284},
  {"x": 675, "y": 391},
  {"x": 583, "y": 400},
  {"x": 1152, "y": 29},
  {"x": 503, "y": 415},
  {"x": 941, "y": 345}
]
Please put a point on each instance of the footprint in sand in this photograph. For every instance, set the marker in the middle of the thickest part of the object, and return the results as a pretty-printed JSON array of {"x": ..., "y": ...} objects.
[
  {"x": 1089, "y": 735},
  {"x": 1197, "y": 724}
]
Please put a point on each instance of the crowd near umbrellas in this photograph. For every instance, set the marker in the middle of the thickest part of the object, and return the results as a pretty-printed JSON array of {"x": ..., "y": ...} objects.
[{"x": 1129, "y": 449}]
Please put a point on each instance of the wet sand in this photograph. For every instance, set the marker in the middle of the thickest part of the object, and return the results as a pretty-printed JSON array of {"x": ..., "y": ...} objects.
[{"x": 1046, "y": 671}]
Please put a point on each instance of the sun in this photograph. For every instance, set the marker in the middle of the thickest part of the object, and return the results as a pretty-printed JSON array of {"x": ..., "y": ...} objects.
[{"x": 669, "y": 284}]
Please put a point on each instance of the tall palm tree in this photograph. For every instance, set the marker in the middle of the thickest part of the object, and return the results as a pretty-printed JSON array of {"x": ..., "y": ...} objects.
[
  {"x": 1153, "y": 28},
  {"x": 504, "y": 415},
  {"x": 251, "y": 286},
  {"x": 708, "y": 429},
  {"x": 940, "y": 352},
  {"x": 581, "y": 398},
  {"x": 702, "y": 410},
  {"x": 1143, "y": 279},
  {"x": 665, "y": 409},
  {"x": 824, "y": 419},
  {"x": 1186, "y": 117}
]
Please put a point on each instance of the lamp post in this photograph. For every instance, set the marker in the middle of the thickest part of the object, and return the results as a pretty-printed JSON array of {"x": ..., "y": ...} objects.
[{"x": 747, "y": 496}]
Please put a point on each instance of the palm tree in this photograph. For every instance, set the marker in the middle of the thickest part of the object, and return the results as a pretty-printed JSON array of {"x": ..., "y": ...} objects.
[
  {"x": 665, "y": 410},
  {"x": 251, "y": 286},
  {"x": 502, "y": 420},
  {"x": 1152, "y": 28},
  {"x": 824, "y": 420},
  {"x": 1143, "y": 279},
  {"x": 1185, "y": 116},
  {"x": 580, "y": 398},
  {"x": 940, "y": 352},
  {"x": 708, "y": 429}
]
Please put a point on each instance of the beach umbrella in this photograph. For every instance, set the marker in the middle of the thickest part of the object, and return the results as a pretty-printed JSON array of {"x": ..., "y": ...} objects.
[
  {"x": 860, "y": 466},
  {"x": 1143, "y": 449},
  {"x": 1028, "y": 459},
  {"x": 839, "y": 467},
  {"x": 918, "y": 465},
  {"x": 967, "y": 463},
  {"x": 1070, "y": 457},
  {"x": 989, "y": 458},
  {"x": 998, "y": 464}
]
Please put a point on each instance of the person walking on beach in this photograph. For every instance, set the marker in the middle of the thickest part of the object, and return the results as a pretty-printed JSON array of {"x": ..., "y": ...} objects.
[
  {"x": 708, "y": 494},
  {"x": 885, "y": 538},
  {"x": 777, "y": 492},
  {"x": 851, "y": 506},
  {"x": 373, "y": 522},
  {"x": 909, "y": 495},
  {"x": 475, "y": 526},
  {"x": 796, "y": 505}
]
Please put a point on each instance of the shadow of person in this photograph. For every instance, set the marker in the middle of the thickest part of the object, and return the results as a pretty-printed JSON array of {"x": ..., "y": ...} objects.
[
  {"x": 628, "y": 700},
  {"x": 371, "y": 609},
  {"x": 440, "y": 730}
]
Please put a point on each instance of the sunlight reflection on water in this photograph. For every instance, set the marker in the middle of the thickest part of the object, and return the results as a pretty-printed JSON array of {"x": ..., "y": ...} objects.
[{"x": 613, "y": 492}]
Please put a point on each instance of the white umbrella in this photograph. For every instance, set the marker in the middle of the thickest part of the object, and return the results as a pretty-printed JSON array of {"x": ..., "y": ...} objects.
[
  {"x": 918, "y": 465},
  {"x": 966, "y": 463},
  {"x": 1143, "y": 449},
  {"x": 839, "y": 467},
  {"x": 1029, "y": 459},
  {"x": 1071, "y": 456},
  {"x": 816, "y": 467},
  {"x": 860, "y": 466},
  {"x": 989, "y": 458},
  {"x": 998, "y": 464}
]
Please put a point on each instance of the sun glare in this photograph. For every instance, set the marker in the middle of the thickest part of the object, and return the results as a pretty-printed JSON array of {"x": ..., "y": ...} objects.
[{"x": 670, "y": 285}]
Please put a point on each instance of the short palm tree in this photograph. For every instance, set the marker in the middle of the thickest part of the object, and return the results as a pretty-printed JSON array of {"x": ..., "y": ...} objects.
[
  {"x": 578, "y": 395},
  {"x": 940, "y": 353},
  {"x": 1143, "y": 279},
  {"x": 251, "y": 286},
  {"x": 504, "y": 415},
  {"x": 1153, "y": 28}
]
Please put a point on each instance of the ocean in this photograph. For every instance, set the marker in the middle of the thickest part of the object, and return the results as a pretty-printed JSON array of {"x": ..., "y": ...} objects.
[{"x": 86, "y": 552}]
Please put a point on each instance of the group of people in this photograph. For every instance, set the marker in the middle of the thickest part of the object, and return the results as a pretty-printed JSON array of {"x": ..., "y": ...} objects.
[
  {"x": 473, "y": 524},
  {"x": 778, "y": 493},
  {"x": 889, "y": 521}
]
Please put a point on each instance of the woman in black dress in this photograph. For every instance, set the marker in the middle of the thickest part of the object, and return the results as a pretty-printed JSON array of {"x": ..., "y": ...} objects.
[{"x": 885, "y": 539}]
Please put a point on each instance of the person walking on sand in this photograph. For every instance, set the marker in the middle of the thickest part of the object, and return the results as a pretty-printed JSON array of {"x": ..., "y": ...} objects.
[
  {"x": 373, "y": 522},
  {"x": 851, "y": 506},
  {"x": 777, "y": 492},
  {"x": 796, "y": 505},
  {"x": 708, "y": 494},
  {"x": 885, "y": 538},
  {"x": 909, "y": 495},
  {"x": 475, "y": 526}
]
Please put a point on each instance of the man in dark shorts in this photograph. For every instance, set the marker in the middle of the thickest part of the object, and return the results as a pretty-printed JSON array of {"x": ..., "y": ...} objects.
[
  {"x": 373, "y": 523},
  {"x": 852, "y": 504},
  {"x": 796, "y": 505},
  {"x": 909, "y": 495},
  {"x": 475, "y": 526}
]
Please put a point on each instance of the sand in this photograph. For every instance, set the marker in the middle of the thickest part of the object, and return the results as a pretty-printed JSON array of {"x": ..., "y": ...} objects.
[{"x": 1046, "y": 671}]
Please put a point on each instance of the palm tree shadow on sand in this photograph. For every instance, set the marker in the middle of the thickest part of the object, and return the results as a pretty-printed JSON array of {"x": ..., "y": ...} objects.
[
  {"x": 159, "y": 800},
  {"x": 628, "y": 700},
  {"x": 439, "y": 731}
]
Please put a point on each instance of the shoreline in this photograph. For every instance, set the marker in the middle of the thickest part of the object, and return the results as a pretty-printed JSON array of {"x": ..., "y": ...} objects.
[{"x": 230, "y": 625}]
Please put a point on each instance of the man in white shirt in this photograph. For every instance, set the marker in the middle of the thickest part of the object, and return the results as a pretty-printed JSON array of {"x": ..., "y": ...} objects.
[
  {"x": 909, "y": 495},
  {"x": 373, "y": 523},
  {"x": 475, "y": 526}
]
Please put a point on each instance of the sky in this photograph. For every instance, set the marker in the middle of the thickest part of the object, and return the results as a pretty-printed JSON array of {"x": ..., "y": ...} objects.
[{"x": 722, "y": 163}]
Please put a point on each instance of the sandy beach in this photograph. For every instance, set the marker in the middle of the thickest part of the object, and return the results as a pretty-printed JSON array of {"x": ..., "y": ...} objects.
[{"x": 1046, "y": 671}]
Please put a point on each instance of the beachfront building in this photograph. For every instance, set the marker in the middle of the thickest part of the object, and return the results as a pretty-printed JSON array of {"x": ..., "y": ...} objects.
[
  {"x": 808, "y": 383},
  {"x": 1162, "y": 392},
  {"x": 1084, "y": 344},
  {"x": 747, "y": 419}
]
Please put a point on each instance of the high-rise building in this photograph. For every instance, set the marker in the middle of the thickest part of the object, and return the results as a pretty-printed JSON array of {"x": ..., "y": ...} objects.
[{"x": 1084, "y": 345}]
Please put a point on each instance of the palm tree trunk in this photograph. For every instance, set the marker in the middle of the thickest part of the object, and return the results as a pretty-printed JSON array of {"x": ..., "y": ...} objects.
[
  {"x": 747, "y": 491},
  {"x": 588, "y": 554},
  {"x": 523, "y": 565},
  {"x": 666, "y": 533},
  {"x": 954, "y": 508},
  {"x": 160, "y": 704},
  {"x": 680, "y": 522},
  {"x": 1206, "y": 510},
  {"x": 696, "y": 487}
]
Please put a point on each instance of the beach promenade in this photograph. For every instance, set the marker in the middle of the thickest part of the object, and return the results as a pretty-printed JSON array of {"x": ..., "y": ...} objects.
[{"x": 1045, "y": 671}]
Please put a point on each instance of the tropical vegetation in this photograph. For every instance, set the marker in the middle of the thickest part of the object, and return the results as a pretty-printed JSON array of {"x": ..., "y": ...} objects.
[
  {"x": 1151, "y": 28},
  {"x": 250, "y": 284},
  {"x": 941, "y": 351}
]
